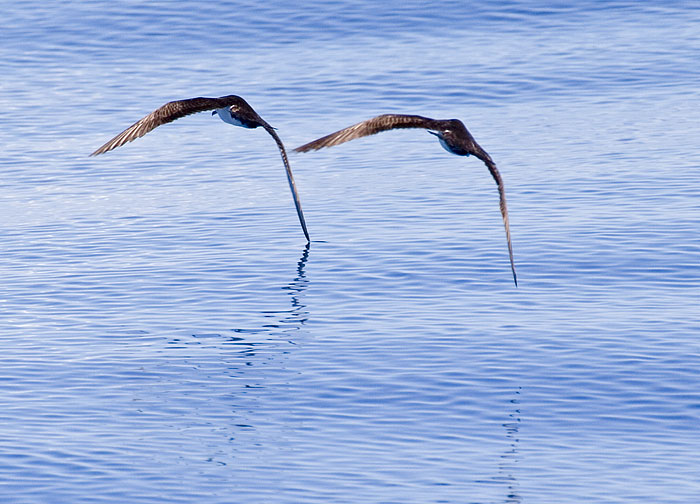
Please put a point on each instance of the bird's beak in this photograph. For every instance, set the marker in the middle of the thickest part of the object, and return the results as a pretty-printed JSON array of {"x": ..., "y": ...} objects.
[
  {"x": 433, "y": 133},
  {"x": 213, "y": 112}
]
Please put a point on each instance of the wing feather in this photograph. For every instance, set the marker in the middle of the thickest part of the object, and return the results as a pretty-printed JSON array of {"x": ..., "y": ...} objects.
[
  {"x": 370, "y": 127},
  {"x": 290, "y": 178},
  {"x": 169, "y": 112}
]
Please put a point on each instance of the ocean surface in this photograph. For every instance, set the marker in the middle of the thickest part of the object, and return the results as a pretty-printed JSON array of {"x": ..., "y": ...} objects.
[{"x": 167, "y": 336}]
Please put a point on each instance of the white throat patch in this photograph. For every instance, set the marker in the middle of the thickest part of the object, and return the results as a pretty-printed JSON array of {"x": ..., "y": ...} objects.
[{"x": 225, "y": 115}]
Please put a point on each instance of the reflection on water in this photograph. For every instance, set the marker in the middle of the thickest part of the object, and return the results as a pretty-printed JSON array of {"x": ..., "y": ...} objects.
[
  {"x": 509, "y": 459},
  {"x": 296, "y": 317},
  {"x": 364, "y": 384},
  {"x": 293, "y": 319},
  {"x": 248, "y": 341}
]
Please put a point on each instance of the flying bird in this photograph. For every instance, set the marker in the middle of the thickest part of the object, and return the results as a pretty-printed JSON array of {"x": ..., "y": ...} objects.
[
  {"x": 452, "y": 134},
  {"x": 231, "y": 109}
]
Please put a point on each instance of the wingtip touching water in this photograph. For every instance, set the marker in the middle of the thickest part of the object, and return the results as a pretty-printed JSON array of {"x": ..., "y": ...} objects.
[{"x": 231, "y": 109}]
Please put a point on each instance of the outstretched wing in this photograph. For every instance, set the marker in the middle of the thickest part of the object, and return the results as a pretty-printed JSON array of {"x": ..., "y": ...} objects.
[
  {"x": 290, "y": 177},
  {"x": 504, "y": 208},
  {"x": 167, "y": 113},
  {"x": 370, "y": 127}
]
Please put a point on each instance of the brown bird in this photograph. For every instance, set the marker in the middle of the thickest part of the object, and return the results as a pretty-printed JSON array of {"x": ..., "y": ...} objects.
[
  {"x": 453, "y": 136},
  {"x": 231, "y": 109}
]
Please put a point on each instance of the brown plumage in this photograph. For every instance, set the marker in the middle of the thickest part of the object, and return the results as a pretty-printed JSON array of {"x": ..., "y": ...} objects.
[
  {"x": 231, "y": 109},
  {"x": 453, "y": 136}
]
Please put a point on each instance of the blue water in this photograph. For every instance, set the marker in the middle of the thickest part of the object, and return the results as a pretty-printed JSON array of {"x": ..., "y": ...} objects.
[{"x": 167, "y": 336}]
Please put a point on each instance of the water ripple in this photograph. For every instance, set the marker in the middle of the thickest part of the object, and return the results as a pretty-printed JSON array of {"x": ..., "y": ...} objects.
[{"x": 169, "y": 337}]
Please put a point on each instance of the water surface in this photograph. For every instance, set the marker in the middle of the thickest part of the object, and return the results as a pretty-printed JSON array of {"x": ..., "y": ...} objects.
[{"x": 168, "y": 337}]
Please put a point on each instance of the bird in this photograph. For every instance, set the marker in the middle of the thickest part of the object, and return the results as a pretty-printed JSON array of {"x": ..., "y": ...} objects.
[
  {"x": 231, "y": 109},
  {"x": 452, "y": 134}
]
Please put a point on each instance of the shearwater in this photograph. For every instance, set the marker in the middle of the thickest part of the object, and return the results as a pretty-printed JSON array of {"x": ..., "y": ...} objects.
[
  {"x": 453, "y": 136},
  {"x": 231, "y": 109}
]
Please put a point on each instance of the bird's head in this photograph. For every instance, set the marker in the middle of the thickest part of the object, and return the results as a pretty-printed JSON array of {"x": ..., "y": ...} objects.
[{"x": 455, "y": 138}]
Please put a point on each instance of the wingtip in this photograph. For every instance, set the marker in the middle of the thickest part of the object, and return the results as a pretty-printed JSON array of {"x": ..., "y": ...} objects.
[
  {"x": 311, "y": 146},
  {"x": 100, "y": 150}
]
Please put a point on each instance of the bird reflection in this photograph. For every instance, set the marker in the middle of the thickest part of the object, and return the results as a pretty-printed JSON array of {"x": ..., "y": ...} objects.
[
  {"x": 296, "y": 317},
  {"x": 284, "y": 321},
  {"x": 510, "y": 458}
]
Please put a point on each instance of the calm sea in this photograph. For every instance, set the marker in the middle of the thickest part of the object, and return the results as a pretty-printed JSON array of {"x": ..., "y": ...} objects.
[{"x": 167, "y": 337}]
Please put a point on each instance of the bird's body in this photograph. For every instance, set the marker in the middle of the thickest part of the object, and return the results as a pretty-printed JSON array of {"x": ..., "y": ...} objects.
[
  {"x": 452, "y": 134},
  {"x": 231, "y": 109},
  {"x": 235, "y": 119}
]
